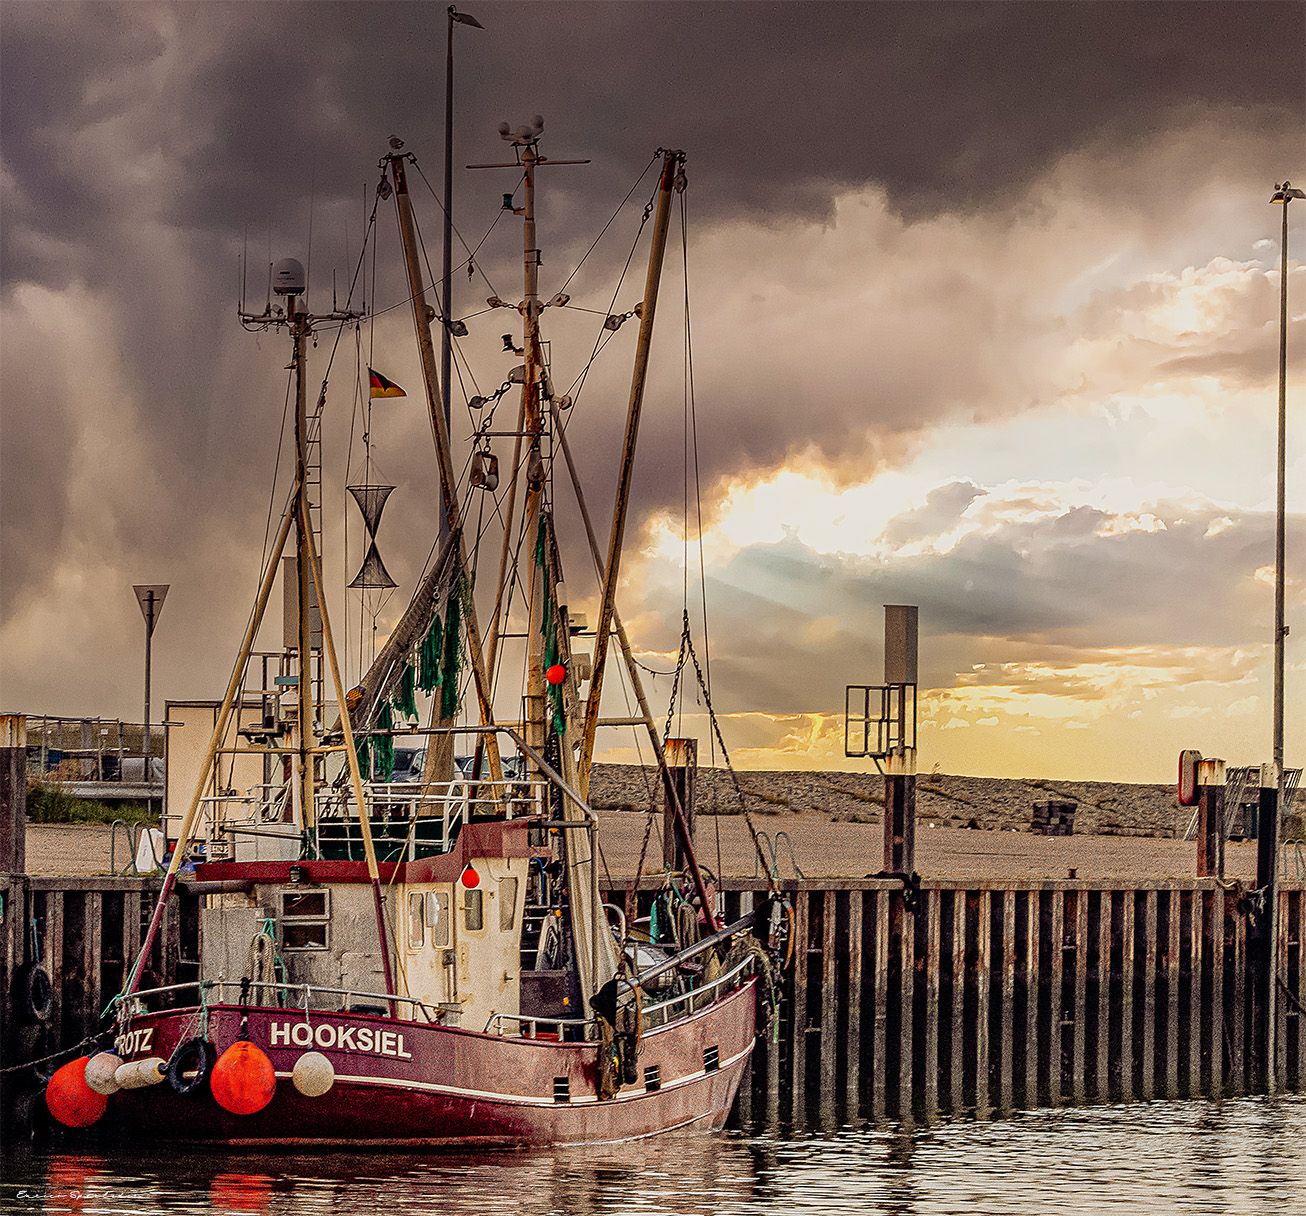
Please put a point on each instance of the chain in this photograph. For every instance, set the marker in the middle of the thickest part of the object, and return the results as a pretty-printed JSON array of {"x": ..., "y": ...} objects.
[
  {"x": 686, "y": 649},
  {"x": 666, "y": 734},
  {"x": 687, "y": 644}
]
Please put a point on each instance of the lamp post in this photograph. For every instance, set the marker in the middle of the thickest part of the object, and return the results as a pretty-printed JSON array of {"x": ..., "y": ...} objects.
[
  {"x": 1283, "y": 195},
  {"x": 150, "y": 597},
  {"x": 1271, "y": 808},
  {"x": 446, "y": 281}
]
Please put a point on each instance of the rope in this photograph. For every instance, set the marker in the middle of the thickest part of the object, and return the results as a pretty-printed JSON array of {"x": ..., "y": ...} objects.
[{"x": 89, "y": 1041}]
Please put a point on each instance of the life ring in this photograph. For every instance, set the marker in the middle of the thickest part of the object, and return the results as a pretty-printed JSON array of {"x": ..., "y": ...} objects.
[
  {"x": 190, "y": 1065},
  {"x": 35, "y": 993}
]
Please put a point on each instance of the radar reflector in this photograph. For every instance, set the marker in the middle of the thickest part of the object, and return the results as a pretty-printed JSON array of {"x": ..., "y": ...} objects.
[{"x": 371, "y": 500}]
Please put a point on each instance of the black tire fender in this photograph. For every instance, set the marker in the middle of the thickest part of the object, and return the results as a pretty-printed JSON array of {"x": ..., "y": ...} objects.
[
  {"x": 190, "y": 1064},
  {"x": 35, "y": 994}
]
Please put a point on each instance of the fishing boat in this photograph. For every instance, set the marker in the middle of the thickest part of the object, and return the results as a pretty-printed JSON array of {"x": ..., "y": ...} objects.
[{"x": 430, "y": 962}]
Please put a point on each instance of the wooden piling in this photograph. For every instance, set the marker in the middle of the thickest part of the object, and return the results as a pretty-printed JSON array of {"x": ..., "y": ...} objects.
[
  {"x": 933, "y": 974},
  {"x": 829, "y": 1039},
  {"x": 1147, "y": 1044},
  {"x": 1195, "y": 1003},
  {"x": 798, "y": 1005},
  {"x": 1125, "y": 1084},
  {"x": 880, "y": 1006},
  {"x": 1007, "y": 1003},
  {"x": 1102, "y": 978},
  {"x": 855, "y": 1031},
  {"x": 1079, "y": 1000},
  {"x": 957, "y": 1100},
  {"x": 1033, "y": 919},
  {"x": 1236, "y": 998},
  {"x": 1215, "y": 1019},
  {"x": 1056, "y": 1019},
  {"x": 983, "y": 968},
  {"x": 1171, "y": 1068},
  {"x": 13, "y": 793}
]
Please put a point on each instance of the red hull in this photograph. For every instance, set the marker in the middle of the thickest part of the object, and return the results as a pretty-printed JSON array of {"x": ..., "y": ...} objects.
[{"x": 411, "y": 1084}]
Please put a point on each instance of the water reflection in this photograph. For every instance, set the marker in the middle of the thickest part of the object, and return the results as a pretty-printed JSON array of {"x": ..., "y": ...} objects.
[{"x": 1246, "y": 1156}]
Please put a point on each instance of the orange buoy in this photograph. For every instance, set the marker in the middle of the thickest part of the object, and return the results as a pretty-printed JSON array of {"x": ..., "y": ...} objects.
[
  {"x": 70, "y": 1099},
  {"x": 243, "y": 1080},
  {"x": 555, "y": 674}
]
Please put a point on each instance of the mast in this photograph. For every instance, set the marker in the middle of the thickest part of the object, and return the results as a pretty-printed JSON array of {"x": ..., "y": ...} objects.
[
  {"x": 422, "y": 317},
  {"x": 672, "y": 162},
  {"x": 533, "y": 426},
  {"x": 306, "y": 733}
]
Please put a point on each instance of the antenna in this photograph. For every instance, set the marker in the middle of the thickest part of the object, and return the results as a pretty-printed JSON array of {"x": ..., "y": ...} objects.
[{"x": 312, "y": 199}]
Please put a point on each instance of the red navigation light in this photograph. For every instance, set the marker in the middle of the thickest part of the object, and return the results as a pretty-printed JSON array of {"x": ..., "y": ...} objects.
[
  {"x": 469, "y": 877},
  {"x": 556, "y": 674}
]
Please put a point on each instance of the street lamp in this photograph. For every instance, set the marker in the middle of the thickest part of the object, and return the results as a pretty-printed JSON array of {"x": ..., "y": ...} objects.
[
  {"x": 1283, "y": 195},
  {"x": 150, "y": 597}
]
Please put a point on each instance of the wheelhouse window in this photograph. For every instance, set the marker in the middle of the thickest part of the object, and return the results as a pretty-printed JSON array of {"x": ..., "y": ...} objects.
[
  {"x": 416, "y": 922},
  {"x": 437, "y": 918},
  {"x": 305, "y": 920},
  {"x": 473, "y": 910},
  {"x": 507, "y": 903}
]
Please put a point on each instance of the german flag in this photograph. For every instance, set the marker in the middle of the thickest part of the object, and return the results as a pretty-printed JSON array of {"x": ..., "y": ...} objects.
[{"x": 381, "y": 387}]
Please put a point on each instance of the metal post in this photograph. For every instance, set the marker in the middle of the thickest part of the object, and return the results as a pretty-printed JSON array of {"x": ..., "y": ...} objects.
[
  {"x": 150, "y": 597},
  {"x": 305, "y": 761},
  {"x": 446, "y": 278},
  {"x": 900, "y": 813},
  {"x": 901, "y": 629},
  {"x": 1280, "y": 630},
  {"x": 1210, "y": 819},
  {"x": 149, "y": 645}
]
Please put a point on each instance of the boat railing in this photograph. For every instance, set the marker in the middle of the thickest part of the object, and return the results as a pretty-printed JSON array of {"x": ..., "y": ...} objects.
[
  {"x": 406, "y": 815},
  {"x": 208, "y": 990},
  {"x": 695, "y": 998},
  {"x": 659, "y": 1014},
  {"x": 531, "y": 1027}
]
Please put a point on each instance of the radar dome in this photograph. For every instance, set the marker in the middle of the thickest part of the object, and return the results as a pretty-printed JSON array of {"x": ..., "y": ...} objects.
[{"x": 288, "y": 277}]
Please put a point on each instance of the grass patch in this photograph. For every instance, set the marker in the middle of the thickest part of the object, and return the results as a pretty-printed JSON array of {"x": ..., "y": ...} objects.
[{"x": 48, "y": 802}]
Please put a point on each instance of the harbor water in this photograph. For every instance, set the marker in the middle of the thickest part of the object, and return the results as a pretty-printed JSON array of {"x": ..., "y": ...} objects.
[{"x": 1238, "y": 1156}]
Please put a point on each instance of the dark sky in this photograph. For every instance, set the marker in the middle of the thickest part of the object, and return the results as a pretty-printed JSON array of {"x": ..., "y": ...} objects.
[{"x": 906, "y": 217}]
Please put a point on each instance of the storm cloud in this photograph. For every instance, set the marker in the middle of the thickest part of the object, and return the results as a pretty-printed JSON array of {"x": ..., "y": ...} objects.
[{"x": 902, "y": 218}]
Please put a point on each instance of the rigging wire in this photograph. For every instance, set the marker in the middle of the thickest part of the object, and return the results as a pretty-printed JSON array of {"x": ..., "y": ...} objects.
[
  {"x": 470, "y": 260},
  {"x": 626, "y": 198}
]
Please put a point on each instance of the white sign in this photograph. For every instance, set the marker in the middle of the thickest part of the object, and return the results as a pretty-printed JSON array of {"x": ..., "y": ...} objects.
[
  {"x": 132, "y": 1041},
  {"x": 368, "y": 1039}
]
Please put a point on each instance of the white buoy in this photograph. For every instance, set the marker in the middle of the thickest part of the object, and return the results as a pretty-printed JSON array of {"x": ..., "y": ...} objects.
[
  {"x": 313, "y": 1074},
  {"x": 138, "y": 1074},
  {"x": 100, "y": 1070}
]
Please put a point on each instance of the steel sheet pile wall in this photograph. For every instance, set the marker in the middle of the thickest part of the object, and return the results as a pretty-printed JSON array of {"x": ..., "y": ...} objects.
[{"x": 957, "y": 998}]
